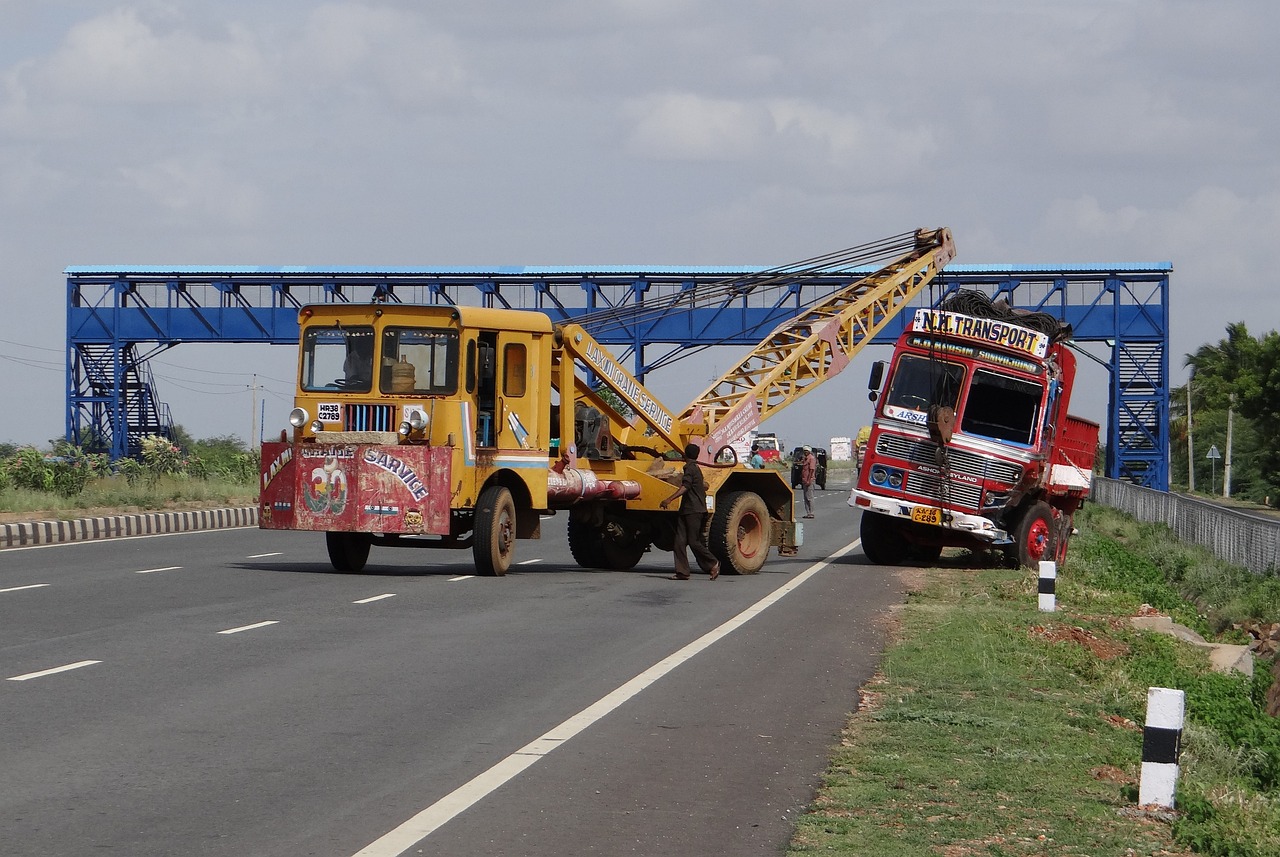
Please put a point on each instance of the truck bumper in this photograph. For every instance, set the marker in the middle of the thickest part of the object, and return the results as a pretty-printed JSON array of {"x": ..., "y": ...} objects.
[{"x": 973, "y": 526}]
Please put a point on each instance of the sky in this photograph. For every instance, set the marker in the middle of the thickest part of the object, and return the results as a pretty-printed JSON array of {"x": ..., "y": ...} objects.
[{"x": 641, "y": 133}]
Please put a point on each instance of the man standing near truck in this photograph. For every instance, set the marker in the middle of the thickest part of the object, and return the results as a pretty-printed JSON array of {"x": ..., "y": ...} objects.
[
  {"x": 808, "y": 472},
  {"x": 693, "y": 510}
]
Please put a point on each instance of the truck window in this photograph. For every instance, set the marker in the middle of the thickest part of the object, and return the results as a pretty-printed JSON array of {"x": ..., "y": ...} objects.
[
  {"x": 1002, "y": 407},
  {"x": 421, "y": 360},
  {"x": 515, "y": 369},
  {"x": 919, "y": 382},
  {"x": 337, "y": 358}
]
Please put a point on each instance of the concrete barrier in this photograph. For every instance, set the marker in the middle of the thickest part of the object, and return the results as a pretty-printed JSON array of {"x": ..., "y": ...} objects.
[{"x": 28, "y": 533}]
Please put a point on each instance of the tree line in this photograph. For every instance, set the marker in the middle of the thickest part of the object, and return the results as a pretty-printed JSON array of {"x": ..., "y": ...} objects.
[{"x": 1233, "y": 388}]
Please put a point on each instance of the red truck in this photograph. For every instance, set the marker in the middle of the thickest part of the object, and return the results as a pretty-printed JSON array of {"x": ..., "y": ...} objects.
[{"x": 972, "y": 445}]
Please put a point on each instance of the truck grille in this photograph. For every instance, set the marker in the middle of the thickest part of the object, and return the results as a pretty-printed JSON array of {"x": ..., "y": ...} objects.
[
  {"x": 368, "y": 417},
  {"x": 962, "y": 461},
  {"x": 963, "y": 494}
]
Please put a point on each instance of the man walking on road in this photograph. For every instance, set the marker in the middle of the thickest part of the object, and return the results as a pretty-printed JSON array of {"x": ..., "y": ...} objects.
[
  {"x": 693, "y": 509},
  {"x": 808, "y": 472}
]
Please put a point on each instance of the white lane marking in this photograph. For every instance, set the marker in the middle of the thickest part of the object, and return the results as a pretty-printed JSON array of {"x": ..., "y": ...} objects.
[
  {"x": 426, "y": 822},
  {"x": 529, "y": 561},
  {"x": 375, "y": 598},
  {"x": 28, "y": 586},
  {"x": 154, "y": 570},
  {"x": 461, "y": 577},
  {"x": 262, "y": 555},
  {"x": 250, "y": 627},
  {"x": 61, "y": 669}
]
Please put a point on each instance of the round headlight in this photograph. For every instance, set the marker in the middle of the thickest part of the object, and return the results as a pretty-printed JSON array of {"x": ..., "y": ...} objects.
[
  {"x": 405, "y": 428},
  {"x": 298, "y": 417},
  {"x": 879, "y": 475},
  {"x": 317, "y": 426},
  {"x": 417, "y": 420},
  {"x": 895, "y": 479}
]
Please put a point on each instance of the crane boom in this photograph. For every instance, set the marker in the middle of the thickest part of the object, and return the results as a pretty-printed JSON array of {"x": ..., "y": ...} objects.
[{"x": 815, "y": 345}]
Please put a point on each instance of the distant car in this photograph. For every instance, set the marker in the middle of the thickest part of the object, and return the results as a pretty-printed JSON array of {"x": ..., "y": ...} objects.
[{"x": 820, "y": 477}]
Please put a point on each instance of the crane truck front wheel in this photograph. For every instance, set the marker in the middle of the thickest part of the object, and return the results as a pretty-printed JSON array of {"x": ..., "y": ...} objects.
[
  {"x": 741, "y": 532},
  {"x": 494, "y": 545},
  {"x": 348, "y": 551}
]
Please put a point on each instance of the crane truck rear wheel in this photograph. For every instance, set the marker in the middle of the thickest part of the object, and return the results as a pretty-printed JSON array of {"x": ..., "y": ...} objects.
[
  {"x": 882, "y": 539},
  {"x": 741, "y": 532},
  {"x": 592, "y": 547},
  {"x": 586, "y": 544},
  {"x": 1036, "y": 538},
  {"x": 494, "y": 544},
  {"x": 348, "y": 551}
]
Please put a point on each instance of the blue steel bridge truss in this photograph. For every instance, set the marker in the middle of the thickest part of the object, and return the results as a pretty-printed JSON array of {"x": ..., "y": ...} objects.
[{"x": 120, "y": 317}]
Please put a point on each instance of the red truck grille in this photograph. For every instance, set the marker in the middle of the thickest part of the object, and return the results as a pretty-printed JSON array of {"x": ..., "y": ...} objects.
[{"x": 962, "y": 461}]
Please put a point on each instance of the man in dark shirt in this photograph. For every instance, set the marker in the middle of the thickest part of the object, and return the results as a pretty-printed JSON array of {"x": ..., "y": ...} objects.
[{"x": 693, "y": 509}]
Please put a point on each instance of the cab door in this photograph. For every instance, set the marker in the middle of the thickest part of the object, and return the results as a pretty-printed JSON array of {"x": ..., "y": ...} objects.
[{"x": 518, "y": 392}]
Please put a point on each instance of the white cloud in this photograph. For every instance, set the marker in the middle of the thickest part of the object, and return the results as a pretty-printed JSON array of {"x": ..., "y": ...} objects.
[{"x": 197, "y": 189}]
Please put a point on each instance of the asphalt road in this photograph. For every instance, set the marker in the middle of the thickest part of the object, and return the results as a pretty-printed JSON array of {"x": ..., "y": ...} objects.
[{"x": 150, "y": 709}]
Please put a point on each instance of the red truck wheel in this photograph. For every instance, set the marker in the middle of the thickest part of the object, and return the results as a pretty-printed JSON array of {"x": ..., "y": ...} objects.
[
  {"x": 1036, "y": 539},
  {"x": 882, "y": 539}
]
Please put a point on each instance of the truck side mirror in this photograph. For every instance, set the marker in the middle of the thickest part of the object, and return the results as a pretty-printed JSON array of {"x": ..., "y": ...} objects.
[{"x": 873, "y": 383}]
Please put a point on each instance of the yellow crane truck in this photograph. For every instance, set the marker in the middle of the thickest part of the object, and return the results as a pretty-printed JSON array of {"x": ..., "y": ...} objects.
[{"x": 465, "y": 427}]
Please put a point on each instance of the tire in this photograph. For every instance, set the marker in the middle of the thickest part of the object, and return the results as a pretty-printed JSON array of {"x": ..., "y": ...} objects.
[
  {"x": 882, "y": 539},
  {"x": 741, "y": 532},
  {"x": 586, "y": 544},
  {"x": 494, "y": 545},
  {"x": 1035, "y": 538},
  {"x": 348, "y": 552}
]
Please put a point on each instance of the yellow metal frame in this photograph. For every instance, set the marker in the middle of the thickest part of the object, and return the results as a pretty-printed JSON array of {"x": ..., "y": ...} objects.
[{"x": 817, "y": 344}]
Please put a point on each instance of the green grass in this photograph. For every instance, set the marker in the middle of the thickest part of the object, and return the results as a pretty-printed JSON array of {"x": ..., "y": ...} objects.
[
  {"x": 115, "y": 493},
  {"x": 995, "y": 729}
]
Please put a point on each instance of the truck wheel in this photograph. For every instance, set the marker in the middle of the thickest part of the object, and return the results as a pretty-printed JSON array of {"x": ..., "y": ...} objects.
[
  {"x": 741, "y": 532},
  {"x": 495, "y": 531},
  {"x": 348, "y": 551},
  {"x": 882, "y": 540},
  {"x": 1035, "y": 539},
  {"x": 586, "y": 544}
]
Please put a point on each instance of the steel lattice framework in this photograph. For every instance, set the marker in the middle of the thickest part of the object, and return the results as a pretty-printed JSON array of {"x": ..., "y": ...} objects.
[{"x": 119, "y": 317}]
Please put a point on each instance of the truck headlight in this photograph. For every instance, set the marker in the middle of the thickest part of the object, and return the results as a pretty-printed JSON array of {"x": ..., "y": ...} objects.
[{"x": 298, "y": 417}]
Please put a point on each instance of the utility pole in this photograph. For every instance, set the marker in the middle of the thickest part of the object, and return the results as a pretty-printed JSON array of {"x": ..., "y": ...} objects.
[
  {"x": 1191, "y": 454},
  {"x": 1226, "y": 464},
  {"x": 253, "y": 412}
]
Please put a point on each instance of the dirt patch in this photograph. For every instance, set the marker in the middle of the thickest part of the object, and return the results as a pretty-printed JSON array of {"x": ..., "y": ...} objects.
[{"x": 1102, "y": 648}]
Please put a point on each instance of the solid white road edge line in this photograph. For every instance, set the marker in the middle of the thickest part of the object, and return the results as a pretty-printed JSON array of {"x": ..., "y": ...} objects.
[
  {"x": 154, "y": 570},
  {"x": 61, "y": 669},
  {"x": 461, "y": 577},
  {"x": 422, "y": 825},
  {"x": 250, "y": 627},
  {"x": 28, "y": 586}
]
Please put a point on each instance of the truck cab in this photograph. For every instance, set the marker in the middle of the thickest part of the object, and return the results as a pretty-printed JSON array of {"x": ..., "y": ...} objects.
[{"x": 972, "y": 445}]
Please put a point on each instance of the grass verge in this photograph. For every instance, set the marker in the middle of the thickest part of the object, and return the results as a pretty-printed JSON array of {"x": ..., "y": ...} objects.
[{"x": 995, "y": 729}]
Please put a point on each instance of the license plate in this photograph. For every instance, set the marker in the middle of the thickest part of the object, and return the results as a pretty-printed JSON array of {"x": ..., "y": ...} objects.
[{"x": 926, "y": 515}]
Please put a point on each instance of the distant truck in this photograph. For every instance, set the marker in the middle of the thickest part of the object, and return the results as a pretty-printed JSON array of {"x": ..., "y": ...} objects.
[
  {"x": 972, "y": 445},
  {"x": 770, "y": 446}
]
